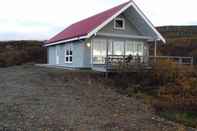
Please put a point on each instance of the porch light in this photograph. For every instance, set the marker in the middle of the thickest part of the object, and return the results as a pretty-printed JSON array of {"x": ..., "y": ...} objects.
[{"x": 88, "y": 44}]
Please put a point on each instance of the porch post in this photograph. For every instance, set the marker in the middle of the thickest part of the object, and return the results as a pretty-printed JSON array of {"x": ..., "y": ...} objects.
[
  {"x": 107, "y": 50},
  {"x": 155, "y": 51},
  {"x": 91, "y": 50},
  {"x": 124, "y": 56}
]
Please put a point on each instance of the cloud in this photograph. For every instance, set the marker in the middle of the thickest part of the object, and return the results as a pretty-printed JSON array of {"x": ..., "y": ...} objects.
[
  {"x": 25, "y": 30},
  {"x": 169, "y": 12},
  {"x": 192, "y": 22},
  {"x": 41, "y": 19},
  {"x": 21, "y": 36}
]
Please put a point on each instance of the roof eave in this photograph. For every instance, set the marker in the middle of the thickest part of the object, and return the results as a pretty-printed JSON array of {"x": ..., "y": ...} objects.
[
  {"x": 160, "y": 37},
  {"x": 66, "y": 41}
]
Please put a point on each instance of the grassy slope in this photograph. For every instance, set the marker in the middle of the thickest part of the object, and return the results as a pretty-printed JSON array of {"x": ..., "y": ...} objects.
[
  {"x": 20, "y": 52},
  {"x": 181, "y": 41}
]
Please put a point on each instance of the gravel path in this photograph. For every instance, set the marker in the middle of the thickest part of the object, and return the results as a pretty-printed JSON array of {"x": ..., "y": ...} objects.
[{"x": 41, "y": 99}]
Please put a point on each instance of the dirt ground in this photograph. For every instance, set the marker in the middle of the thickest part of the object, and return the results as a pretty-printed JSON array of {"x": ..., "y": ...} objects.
[{"x": 42, "y": 99}]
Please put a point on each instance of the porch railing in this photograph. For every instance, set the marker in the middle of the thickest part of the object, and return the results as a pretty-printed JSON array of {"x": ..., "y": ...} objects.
[
  {"x": 178, "y": 59},
  {"x": 122, "y": 61}
]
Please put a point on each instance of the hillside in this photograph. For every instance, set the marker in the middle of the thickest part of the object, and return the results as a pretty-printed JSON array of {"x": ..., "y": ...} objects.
[
  {"x": 178, "y": 31},
  {"x": 181, "y": 41},
  {"x": 20, "y": 52}
]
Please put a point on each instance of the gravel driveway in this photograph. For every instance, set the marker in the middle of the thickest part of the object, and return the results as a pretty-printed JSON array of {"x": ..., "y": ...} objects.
[{"x": 42, "y": 99}]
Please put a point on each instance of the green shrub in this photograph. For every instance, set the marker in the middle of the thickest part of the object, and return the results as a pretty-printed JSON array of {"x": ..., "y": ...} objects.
[{"x": 187, "y": 118}]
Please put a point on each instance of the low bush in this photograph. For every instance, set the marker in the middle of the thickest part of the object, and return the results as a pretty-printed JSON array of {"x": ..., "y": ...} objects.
[
  {"x": 164, "y": 71},
  {"x": 177, "y": 92}
]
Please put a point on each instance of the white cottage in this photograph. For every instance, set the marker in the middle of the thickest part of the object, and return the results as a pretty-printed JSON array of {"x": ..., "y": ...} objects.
[{"x": 120, "y": 34}]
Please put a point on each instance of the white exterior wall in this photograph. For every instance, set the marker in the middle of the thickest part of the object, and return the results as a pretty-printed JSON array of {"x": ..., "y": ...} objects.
[{"x": 81, "y": 55}]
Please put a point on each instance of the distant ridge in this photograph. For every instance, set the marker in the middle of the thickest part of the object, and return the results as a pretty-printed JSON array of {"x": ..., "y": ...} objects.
[
  {"x": 178, "y": 31},
  {"x": 21, "y": 42},
  {"x": 21, "y": 52},
  {"x": 181, "y": 41}
]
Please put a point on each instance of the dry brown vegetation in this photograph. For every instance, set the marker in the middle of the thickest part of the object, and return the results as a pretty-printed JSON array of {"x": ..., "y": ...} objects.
[
  {"x": 21, "y": 52},
  {"x": 181, "y": 41},
  {"x": 170, "y": 89},
  {"x": 178, "y": 85},
  {"x": 176, "y": 92}
]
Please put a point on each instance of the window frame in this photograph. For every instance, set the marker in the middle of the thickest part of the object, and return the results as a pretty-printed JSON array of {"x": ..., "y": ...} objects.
[
  {"x": 68, "y": 54},
  {"x": 123, "y": 24}
]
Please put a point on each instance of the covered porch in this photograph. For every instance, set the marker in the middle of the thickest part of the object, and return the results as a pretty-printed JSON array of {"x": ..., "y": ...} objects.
[{"x": 109, "y": 55}]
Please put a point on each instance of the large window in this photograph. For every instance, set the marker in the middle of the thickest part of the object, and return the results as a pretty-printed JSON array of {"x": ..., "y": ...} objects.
[
  {"x": 134, "y": 48},
  {"x": 110, "y": 47},
  {"x": 68, "y": 53},
  {"x": 99, "y": 51},
  {"x": 118, "y": 48}
]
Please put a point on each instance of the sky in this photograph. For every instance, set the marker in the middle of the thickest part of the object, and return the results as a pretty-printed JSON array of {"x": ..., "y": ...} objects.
[{"x": 41, "y": 19}]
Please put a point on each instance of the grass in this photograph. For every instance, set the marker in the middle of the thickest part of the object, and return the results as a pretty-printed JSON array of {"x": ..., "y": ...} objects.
[{"x": 188, "y": 118}]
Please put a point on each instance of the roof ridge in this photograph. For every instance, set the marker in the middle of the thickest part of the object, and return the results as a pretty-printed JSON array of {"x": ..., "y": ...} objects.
[{"x": 103, "y": 12}]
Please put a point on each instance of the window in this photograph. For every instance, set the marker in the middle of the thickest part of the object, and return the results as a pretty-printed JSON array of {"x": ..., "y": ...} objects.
[
  {"x": 118, "y": 48},
  {"x": 110, "y": 47},
  {"x": 134, "y": 48},
  {"x": 68, "y": 53},
  {"x": 99, "y": 51},
  {"x": 140, "y": 48},
  {"x": 119, "y": 23},
  {"x": 130, "y": 47}
]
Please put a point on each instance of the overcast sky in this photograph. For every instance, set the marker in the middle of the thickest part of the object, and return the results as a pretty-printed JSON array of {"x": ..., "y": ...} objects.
[{"x": 41, "y": 19}]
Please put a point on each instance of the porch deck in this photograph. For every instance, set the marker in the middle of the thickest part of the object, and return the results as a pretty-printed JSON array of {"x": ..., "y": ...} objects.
[{"x": 115, "y": 63}]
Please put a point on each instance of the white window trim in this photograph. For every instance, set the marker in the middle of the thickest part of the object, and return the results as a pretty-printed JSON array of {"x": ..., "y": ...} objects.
[
  {"x": 118, "y": 28},
  {"x": 68, "y": 47}
]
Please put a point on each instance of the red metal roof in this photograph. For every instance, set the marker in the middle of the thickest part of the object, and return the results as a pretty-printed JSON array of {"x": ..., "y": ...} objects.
[{"x": 82, "y": 28}]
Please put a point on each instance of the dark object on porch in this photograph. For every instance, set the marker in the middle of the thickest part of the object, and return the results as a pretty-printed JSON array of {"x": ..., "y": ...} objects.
[{"x": 129, "y": 59}]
